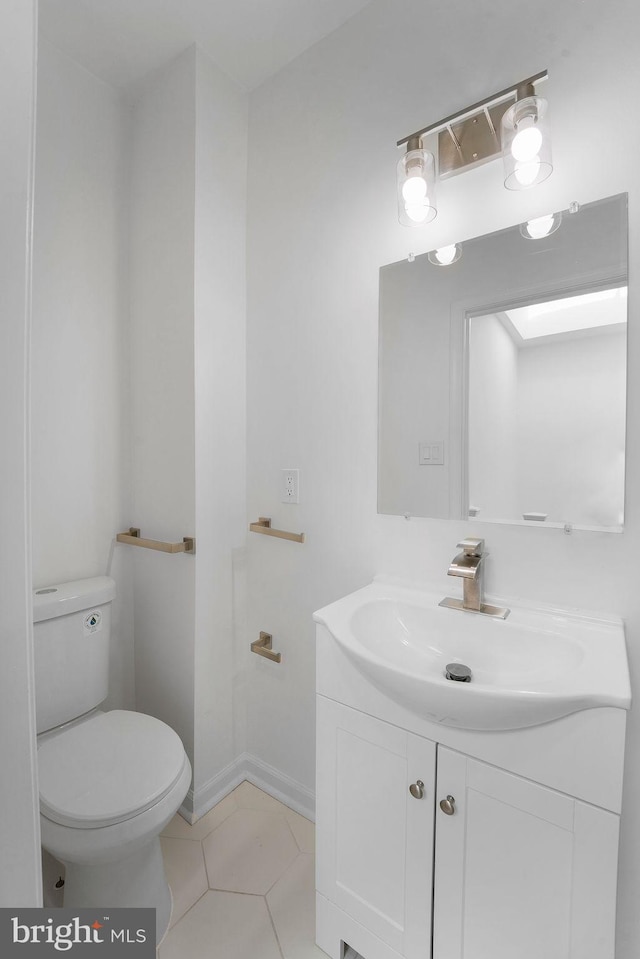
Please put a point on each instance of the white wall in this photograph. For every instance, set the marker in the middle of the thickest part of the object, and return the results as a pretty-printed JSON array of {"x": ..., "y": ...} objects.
[
  {"x": 414, "y": 377},
  {"x": 19, "y": 823},
  {"x": 188, "y": 208},
  {"x": 139, "y": 377},
  {"x": 162, "y": 203},
  {"x": 322, "y": 220},
  {"x": 220, "y": 414},
  {"x": 571, "y": 415},
  {"x": 493, "y": 419},
  {"x": 547, "y": 425},
  {"x": 79, "y": 360}
]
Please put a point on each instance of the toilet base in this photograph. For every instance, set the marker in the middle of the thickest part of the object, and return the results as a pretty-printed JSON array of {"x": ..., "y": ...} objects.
[{"x": 137, "y": 880}]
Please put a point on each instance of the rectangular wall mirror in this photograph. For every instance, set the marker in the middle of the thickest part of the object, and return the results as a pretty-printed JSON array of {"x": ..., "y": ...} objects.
[{"x": 502, "y": 376}]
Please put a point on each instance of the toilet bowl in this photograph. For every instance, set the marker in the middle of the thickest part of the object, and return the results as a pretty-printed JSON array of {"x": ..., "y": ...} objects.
[
  {"x": 109, "y": 781},
  {"x": 109, "y": 784}
]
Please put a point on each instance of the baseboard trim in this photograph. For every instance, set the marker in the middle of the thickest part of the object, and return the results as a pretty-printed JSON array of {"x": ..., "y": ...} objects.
[
  {"x": 289, "y": 791},
  {"x": 256, "y": 771},
  {"x": 196, "y": 804}
]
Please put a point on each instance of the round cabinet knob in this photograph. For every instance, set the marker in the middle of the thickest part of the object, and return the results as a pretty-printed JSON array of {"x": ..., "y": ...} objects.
[
  {"x": 417, "y": 789},
  {"x": 448, "y": 806}
]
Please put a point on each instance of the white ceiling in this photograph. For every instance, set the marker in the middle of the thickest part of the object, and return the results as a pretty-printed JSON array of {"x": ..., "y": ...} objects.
[
  {"x": 122, "y": 40},
  {"x": 598, "y": 311}
]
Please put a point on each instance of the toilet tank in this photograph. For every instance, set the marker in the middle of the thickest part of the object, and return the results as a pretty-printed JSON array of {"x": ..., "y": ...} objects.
[{"x": 71, "y": 632}]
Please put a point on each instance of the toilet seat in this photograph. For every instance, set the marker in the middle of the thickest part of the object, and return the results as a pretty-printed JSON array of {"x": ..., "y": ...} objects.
[{"x": 108, "y": 769}]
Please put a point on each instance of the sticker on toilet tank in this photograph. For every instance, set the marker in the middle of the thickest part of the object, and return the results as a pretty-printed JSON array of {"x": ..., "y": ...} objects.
[{"x": 93, "y": 622}]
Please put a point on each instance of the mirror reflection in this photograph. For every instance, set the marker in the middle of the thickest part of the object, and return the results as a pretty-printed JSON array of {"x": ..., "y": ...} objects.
[{"x": 503, "y": 375}]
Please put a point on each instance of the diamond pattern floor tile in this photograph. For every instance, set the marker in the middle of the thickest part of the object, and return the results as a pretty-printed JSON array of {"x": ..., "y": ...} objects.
[
  {"x": 248, "y": 796},
  {"x": 304, "y": 831},
  {"x": 223, "y": 925},
  {"x": 291, "y": 903},
  {"x": 256, "y": 854},
  {"x": 185, "y": 872},
  {"x": 179, "y": 828},
  {"x": 249, "y": 852}
]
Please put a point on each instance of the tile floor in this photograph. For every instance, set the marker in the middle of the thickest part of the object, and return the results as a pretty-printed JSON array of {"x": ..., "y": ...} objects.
[{"x": 242, "y": 879}]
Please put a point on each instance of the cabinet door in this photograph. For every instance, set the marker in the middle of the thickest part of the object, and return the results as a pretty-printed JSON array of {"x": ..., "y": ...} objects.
[
  {"x": 520, "y": 870},
  {"x": 374, "y": 839}
]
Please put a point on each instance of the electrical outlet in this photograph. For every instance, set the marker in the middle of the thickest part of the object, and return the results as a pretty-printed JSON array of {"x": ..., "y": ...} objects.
[{"x": 290, "y": 486}]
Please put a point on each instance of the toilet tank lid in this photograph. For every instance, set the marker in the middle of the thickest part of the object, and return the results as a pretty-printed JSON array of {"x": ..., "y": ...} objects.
[{"x": 64, "y": 598}]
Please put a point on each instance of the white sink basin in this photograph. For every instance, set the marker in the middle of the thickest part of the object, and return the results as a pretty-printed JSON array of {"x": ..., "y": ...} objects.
[{"x": 533, "y": 667}]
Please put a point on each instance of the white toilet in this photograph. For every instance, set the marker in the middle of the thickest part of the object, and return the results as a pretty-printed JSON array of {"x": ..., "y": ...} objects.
[{"x": 109, "y": 781}]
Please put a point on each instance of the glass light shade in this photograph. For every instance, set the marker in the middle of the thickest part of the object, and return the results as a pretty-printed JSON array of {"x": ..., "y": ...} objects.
[
  {"x": 416, "y": 188},
  {"x": 541, "y": 226},
  {"x": 526, "y": 144},
  {"x": 445, "y": 255}
]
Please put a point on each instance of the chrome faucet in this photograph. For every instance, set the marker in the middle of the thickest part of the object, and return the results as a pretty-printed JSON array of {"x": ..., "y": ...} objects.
[{"x": 469, "y": 565}]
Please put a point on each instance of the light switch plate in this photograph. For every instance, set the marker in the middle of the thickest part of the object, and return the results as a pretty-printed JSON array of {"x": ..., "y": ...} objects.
[{"x": 431, "y": 453}]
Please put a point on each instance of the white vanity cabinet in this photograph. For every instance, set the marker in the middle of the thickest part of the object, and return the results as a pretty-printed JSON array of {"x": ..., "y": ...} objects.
[
  {"x": 521, "y": 861},
  {"x": 375, "y": 854},
  {"x": 520, "y": 869},
  {"x": 507, "y": 868}
]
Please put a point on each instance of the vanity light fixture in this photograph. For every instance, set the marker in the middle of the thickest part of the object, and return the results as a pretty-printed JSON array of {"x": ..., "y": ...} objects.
[
  {"x": 511, "y": 122},
  {"x": 445, "y": 255},
  {"x": 526, "y": 145},
  {"x": 541, "y": 226},
  {"x": 416, "y": 185}
]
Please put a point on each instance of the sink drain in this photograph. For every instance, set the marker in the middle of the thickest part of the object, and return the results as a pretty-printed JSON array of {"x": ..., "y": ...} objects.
[{"x": 458, "y": 673}]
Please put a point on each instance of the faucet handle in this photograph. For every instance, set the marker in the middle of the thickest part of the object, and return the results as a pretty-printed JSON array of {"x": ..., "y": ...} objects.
[{"x": 471, "y": 546}]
